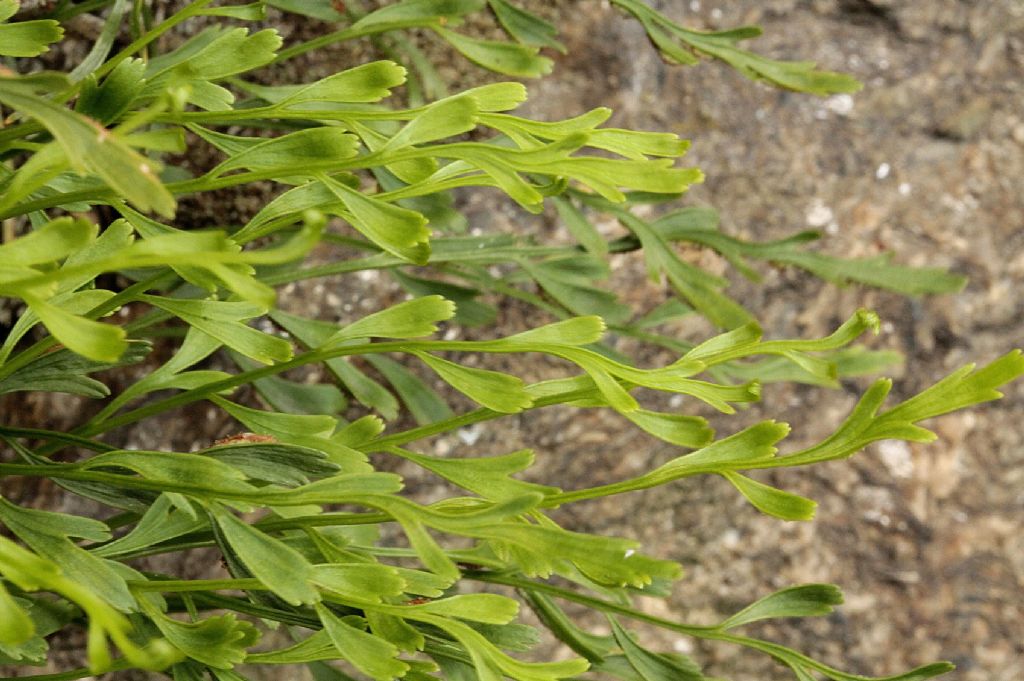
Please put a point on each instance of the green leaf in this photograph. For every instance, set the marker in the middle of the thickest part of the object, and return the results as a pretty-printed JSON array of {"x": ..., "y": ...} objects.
[
  {"x": 52, "y": 242},
  {"x": 963, "y": 388},
  {"x": 582, "y": 229},
  {"x": 161, "y": 521},
  {"x": 64, "y": 371},
  {"x": 583, "y": 643},
  {"x": 668, "y": 311},
  {"x": 47, "y": 534},
  {"x": 507, "y": 58},
  {"x": 315, "y": 9},
  {"x": 396, "y": 631},
  {"x": 313, "y": 334},
  {"x": 493, "y": 665},
  {"x": 222, "y": 320},
  {"x": 570, "y": 282},
  {"x": 93, "y": 340},
  {"x": 318, "y": 646},
  {"x": 300, "y": 398},
  {"x": 489, "y": 477},
  {"x": 292, "y": 152},
  {"x": 57, "y": 524},
  {"x": 543, "y": 550},
  {"x": 293, "y": 397},
  {"x": 636, "y": 145},
  {"x": 274, "y": 462},
  {"x": 92, "y": 149},
  {"x": 101, "y": 47},
  {"x": 491, "y": 389},
  {"x": 398, "y": 230},
  {"x": 367, "y": 83},
  {"x": 497, "y": 96},
  {"x": 219, "y": 642},
  {"x": 368, "y": 653},
  {"x": 26, "y": 38},
  {"x": 654, "y": 666},
  {"x": 807, "y": 600},
  {"x": 468, "y": 310},
  {"x": 360, "y": 582},
  {"x": 425, "y": 405},
  {"x": 414, "y": 318},
  {"x": 255, "y": 11},
  {"x": 700, "y": 289},
  {"x": 45, "y": 616},
  {"x": 525, "y": 27},
  {"x": 214, "y": 54},
  {"x": 446, "y": 118},
  {"x": 700, "y": 226},
  {"x": 677, "y": 429},
  {"x": 333, "y": 489},
  {"x": 305, "y": 430},
  {"x": 486, "y": 608},
  {"x": 279, "y": 567},
  {"x": 770, "y": 500},
  {"x": 16, "y": 627},
  {"x": 179, "y": 468},
  {"x": 747, "y": 448},
  {"x": 416, "y": 12},
  {"x": 573, "y": 332},
  {"x": 674, "y": 41}
]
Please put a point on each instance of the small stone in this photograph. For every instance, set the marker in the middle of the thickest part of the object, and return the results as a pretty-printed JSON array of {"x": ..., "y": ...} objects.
[
  {"x": 841, "y": 105},
  {"x": 471, "y": 435},
  {"x": 819, "y": 215},
  {"x": 895, "y": 454}
]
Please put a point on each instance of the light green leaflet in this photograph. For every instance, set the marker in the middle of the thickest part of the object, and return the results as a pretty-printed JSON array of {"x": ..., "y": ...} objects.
[{"x": 25, "y": 38}]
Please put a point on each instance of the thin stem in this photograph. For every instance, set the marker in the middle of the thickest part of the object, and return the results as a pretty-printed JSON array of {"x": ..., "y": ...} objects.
[
  {"x": 188, "y": 12},
  {"x": 217, "y": 602},
  {"x": 80, "y": 673},
  {"x": 185, "y": 585},
  {"x": 348, "y": 34},
  {"x": 476, "y": 416},
  {"x": 199, "y": 540},
  {"x": 594, "y": 603},
  {"x": 66, "y": 438}
]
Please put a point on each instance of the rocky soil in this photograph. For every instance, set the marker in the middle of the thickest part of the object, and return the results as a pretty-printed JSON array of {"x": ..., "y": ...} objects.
[{"x": 926, "y": 161}]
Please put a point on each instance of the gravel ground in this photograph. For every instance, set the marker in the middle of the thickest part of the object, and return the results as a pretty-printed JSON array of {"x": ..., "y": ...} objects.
[
  {"x": 926, "y": 541},
  {"x": 926, "y": 161}
]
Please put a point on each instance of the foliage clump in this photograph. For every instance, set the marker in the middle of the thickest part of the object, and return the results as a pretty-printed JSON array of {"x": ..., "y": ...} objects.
[{"x": 295, "y": 507}]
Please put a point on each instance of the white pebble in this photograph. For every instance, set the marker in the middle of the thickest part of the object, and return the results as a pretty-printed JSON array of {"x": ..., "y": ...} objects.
[
  {"x": 895, "y": 454},
  {"x": 840, "y": 104},
  {"x": 883, "y": 171},
  {"x": 819, "y": 215},
  {"x": 470, "y": 435}
]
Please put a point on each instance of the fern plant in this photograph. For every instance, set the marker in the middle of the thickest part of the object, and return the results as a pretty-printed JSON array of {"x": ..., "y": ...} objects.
[{"x": 295, "y": 506}]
